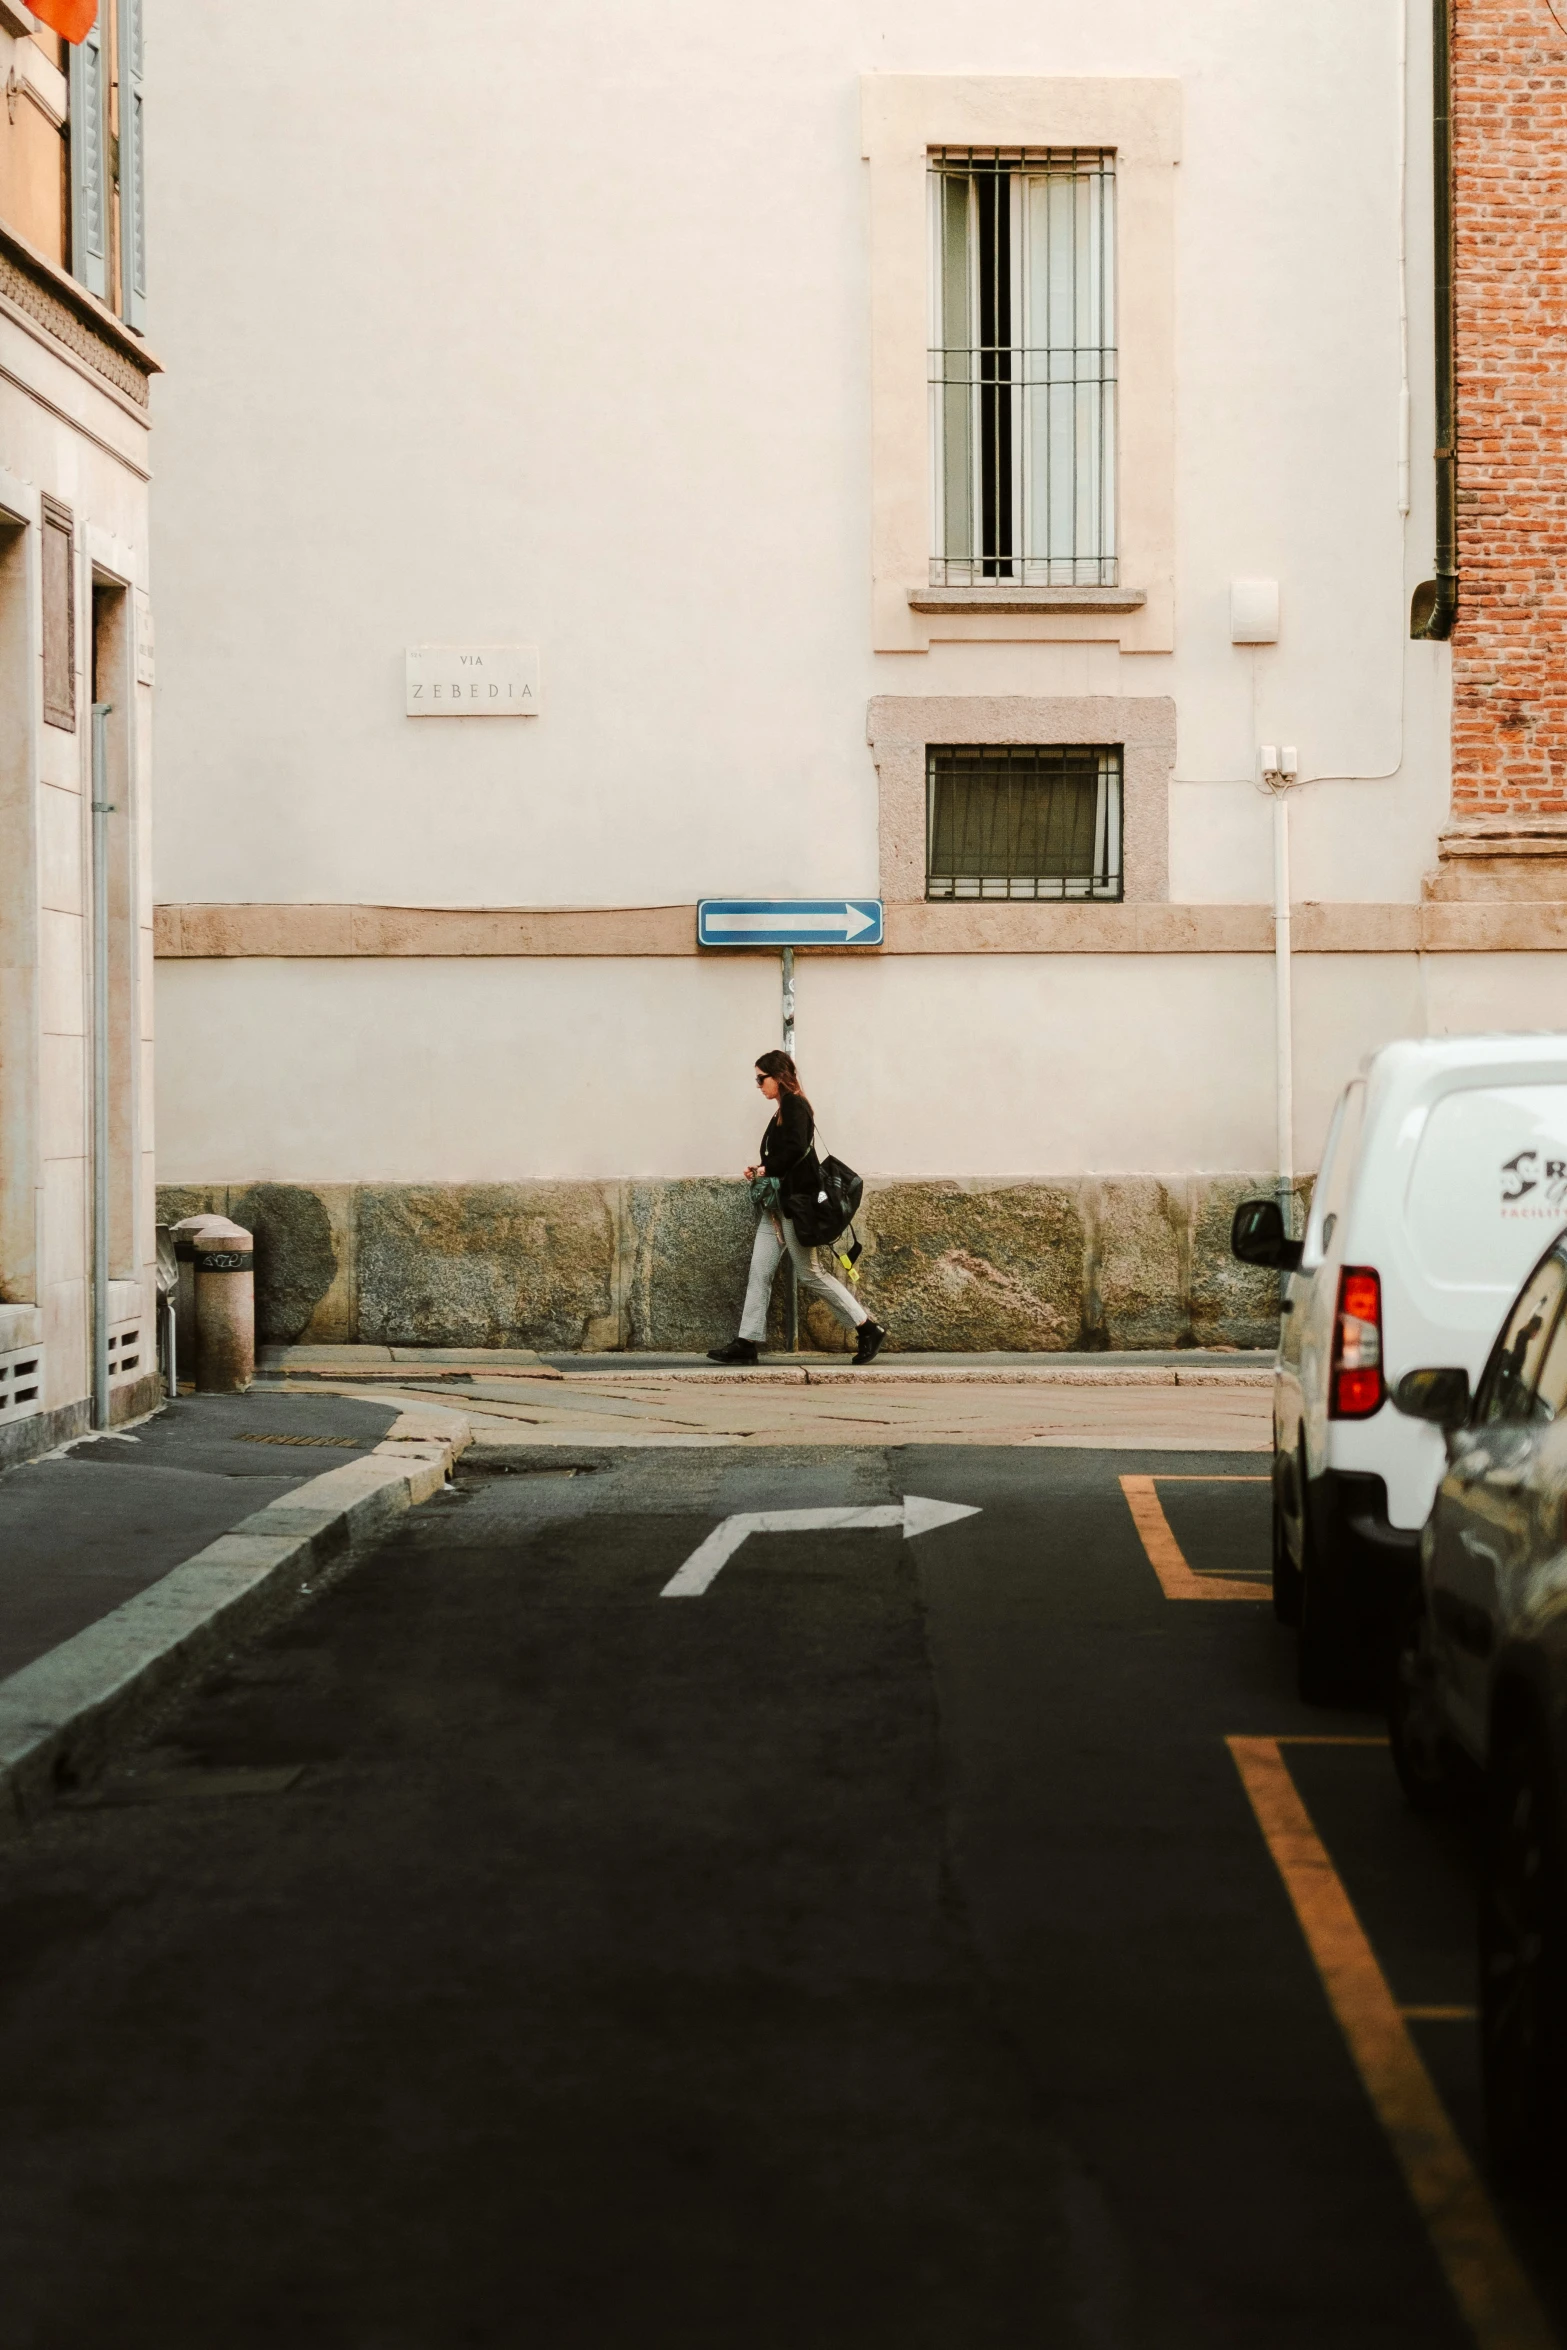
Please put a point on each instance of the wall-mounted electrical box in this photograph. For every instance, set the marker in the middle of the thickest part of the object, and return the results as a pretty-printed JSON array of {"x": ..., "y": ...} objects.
[{"x": 1254, "y": 611}]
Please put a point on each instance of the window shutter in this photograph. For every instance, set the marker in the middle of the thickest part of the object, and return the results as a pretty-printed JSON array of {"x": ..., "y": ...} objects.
[
  {"x": 89, "y": 177},
  {"x": 133, "y": 170},
  {"x": 59, "y": 615}
]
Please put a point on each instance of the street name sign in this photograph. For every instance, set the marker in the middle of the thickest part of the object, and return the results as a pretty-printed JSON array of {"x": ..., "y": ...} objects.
[
  {"x": 471, "y": 681},
  {"x": 789, "y": 922}
]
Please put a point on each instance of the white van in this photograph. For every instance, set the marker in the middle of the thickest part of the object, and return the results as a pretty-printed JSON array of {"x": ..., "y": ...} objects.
[{"x": 1444, "y": 1177}]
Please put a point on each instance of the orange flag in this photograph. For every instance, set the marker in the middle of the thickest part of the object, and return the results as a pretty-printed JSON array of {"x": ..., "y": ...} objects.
[{"x": 72, "y": 18}]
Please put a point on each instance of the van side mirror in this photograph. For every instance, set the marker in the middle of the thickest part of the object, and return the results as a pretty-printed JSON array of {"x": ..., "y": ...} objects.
[
  {"x": 1442, "y": 1397},
  {"x": 1257, "y": 1237}
]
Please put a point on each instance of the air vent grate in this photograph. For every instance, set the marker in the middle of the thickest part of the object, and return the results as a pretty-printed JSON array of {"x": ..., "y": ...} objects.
[
  {"x": 21, "y": 1383},
  {"x": 125, "y": 1352}
]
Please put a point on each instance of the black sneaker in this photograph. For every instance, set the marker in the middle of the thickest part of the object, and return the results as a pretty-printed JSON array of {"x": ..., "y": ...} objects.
[
  {"x": 739, "y": 1350},
  {"x": 871, "y": 1341}
]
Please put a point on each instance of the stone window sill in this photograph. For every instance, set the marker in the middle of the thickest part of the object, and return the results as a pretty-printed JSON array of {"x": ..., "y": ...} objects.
[{"x": 1026, "y": 599}]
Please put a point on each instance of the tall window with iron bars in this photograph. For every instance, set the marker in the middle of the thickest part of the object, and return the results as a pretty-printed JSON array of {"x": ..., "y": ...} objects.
[{"x": 1023, "y": 367}]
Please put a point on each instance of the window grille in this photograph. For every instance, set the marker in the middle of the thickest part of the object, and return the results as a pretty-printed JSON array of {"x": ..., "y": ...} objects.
[
  {"x": 1023, "y": 366},
  {"x": 1010, "y": 820}
]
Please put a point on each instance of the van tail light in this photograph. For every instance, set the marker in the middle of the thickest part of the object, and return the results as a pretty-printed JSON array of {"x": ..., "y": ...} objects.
[{"x": 1356, "y": 1389}]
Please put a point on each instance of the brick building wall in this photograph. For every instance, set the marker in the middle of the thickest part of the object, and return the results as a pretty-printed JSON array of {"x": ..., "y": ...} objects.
[{"x": 1510, "y": 292}]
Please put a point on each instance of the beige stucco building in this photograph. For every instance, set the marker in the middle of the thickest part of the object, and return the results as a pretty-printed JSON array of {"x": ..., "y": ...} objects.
[
  {"x": 77, "y": 1253},
  {"x": 919, "y": 453}
]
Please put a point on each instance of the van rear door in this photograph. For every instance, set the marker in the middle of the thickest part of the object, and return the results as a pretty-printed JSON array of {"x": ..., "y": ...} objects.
[{"x": 1487, "y": 1189}]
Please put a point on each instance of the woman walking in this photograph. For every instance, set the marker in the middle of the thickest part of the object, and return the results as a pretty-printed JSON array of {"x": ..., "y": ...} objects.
[{"x": 788, "y": 1168}]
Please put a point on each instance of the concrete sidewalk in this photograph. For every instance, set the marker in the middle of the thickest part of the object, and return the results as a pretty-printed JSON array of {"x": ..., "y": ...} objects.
[
  {"x": 89, "y": 1526},
  {"x": 128, "y": 1560},
  {"x": 1177, "y": 1401}
]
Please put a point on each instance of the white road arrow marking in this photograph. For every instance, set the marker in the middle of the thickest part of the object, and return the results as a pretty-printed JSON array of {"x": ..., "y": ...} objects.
[{"x": 915, "y": 1514}]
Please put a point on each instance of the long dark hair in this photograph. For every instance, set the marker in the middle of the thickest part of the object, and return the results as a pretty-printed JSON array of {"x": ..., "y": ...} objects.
[{"x": 781, "y": 1066}]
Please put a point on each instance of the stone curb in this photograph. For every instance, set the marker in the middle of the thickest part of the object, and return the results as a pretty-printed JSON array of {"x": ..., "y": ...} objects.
[
  {"x": 399, "y": 1374},
  {"x": 63, "y": 1714},
  {"x": 797, "y": 1375}
]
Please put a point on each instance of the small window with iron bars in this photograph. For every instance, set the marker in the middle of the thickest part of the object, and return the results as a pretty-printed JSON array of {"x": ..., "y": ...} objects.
[
  {"x": 1007, "y": 820},
  {"x": 1023, "y": 367}
]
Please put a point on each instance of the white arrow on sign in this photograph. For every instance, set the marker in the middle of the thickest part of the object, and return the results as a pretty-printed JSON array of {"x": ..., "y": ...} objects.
[
  {"x": 913, "y": 1513},
  {"x": 850, "y": 922}
]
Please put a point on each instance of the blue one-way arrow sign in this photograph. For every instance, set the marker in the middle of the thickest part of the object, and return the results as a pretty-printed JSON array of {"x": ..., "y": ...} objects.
[{"x": 789, "y": 922}]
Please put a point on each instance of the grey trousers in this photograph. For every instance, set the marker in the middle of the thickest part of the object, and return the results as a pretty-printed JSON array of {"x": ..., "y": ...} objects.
[{"x": 765, "y": 1253}]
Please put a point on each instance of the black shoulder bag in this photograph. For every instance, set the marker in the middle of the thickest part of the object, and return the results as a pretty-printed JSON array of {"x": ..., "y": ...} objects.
[{"x": 828, "y": 1207}]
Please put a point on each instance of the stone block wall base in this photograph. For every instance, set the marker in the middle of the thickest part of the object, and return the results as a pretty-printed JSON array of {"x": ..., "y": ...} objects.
[
  {"x": 24, "y": 1440},
  {"x": 963, "y": 1265},
  {"x": 136, "y": 1398},
  {"x": 1509, "y": 858}
]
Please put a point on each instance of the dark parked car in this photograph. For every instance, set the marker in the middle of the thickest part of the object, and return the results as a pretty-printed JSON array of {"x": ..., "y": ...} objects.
[{"x": 1482, "y": 1684}]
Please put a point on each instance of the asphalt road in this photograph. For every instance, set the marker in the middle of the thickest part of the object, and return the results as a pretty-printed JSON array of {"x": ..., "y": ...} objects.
[{"x": 878, "y": 1949}]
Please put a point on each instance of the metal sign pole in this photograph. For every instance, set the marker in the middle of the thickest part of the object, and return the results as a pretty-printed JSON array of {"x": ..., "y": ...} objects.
[
  {"x": 102, "y": 810},
  {"x": 786, "y": 961},
  {"x": 1283, "y": 1007}
]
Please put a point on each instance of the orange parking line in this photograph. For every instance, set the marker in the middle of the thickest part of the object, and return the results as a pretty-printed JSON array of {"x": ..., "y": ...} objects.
[
  {"x": 1331, "y": 1738},
  {"x": 1165, "y": 1555},
  {"x": 1488, "y": 2284}
]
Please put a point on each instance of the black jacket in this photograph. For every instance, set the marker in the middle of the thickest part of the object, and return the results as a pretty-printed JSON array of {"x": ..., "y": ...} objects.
[{"x": 788, "y": 1147}]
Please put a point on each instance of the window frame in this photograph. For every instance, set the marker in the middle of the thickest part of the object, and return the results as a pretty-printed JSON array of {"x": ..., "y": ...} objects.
[
  {"x": 900, "y": 729},
  {"x": 1330, "y": 1192},
  {"x": 1000, "y": 428},
  {"x": 1505, "y": 1397},
  {"x": 904, "y": 117},
  {"x": 1104, "y": 883}
]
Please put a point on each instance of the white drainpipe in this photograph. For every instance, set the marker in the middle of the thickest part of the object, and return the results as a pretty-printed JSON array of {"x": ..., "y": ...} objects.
[
  {"x": 1279, "y": 769},
  {"x": 101, "y": 812}
]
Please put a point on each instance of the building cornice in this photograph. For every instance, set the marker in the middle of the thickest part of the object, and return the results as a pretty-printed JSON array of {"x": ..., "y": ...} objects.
[
  {"x": 86, "y": 327},
  {"x": 256, "y": 932}
]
